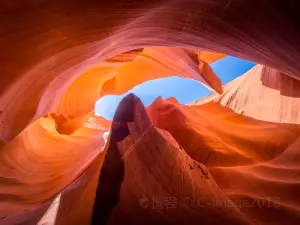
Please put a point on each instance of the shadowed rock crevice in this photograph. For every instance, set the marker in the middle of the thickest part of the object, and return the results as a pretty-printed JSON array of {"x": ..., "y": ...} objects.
[
  {"x": 109, "y": 184},
  {"x": 112, "y": 171}
]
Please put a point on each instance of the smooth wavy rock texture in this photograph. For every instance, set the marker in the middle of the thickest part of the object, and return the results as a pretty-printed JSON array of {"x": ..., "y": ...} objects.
[
  {"x": 230, "y": 158},
  {"x": 275, "y": 99}
]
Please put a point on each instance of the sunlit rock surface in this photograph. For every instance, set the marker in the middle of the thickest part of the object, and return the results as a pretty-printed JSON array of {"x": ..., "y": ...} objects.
[
  {"x": 262, "y": 93},
  {"x": 238, "y": 146}
]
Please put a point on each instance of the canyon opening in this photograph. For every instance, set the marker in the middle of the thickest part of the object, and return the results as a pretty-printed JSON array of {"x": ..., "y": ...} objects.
[{"x": 149, "y": 112}]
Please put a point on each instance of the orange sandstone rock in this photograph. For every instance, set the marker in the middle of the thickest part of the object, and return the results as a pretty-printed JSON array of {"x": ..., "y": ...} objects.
[{"x": 58, "y": 57}]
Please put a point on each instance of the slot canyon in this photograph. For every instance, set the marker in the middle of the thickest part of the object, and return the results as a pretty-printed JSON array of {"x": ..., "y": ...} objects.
[{"x": 232, "y": 157}]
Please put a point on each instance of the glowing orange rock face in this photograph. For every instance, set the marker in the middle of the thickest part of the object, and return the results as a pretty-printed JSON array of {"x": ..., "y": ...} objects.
[
  {"x": 219, "y": 137},
  {"x": 58, "y": 58},
  {"x": 112, "y": 77}
]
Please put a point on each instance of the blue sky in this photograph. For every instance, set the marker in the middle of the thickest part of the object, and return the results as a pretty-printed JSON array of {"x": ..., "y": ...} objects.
[{"x": 184, "y": 90}]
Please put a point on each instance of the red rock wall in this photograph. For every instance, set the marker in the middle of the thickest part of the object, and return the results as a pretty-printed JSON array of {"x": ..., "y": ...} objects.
[
  {"x": 58, "y": 57},
  {"x": 262, "y": 93}
]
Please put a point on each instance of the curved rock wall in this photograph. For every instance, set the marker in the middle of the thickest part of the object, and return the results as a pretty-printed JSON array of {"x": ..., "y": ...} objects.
[{"x": 58, "y": 57}]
